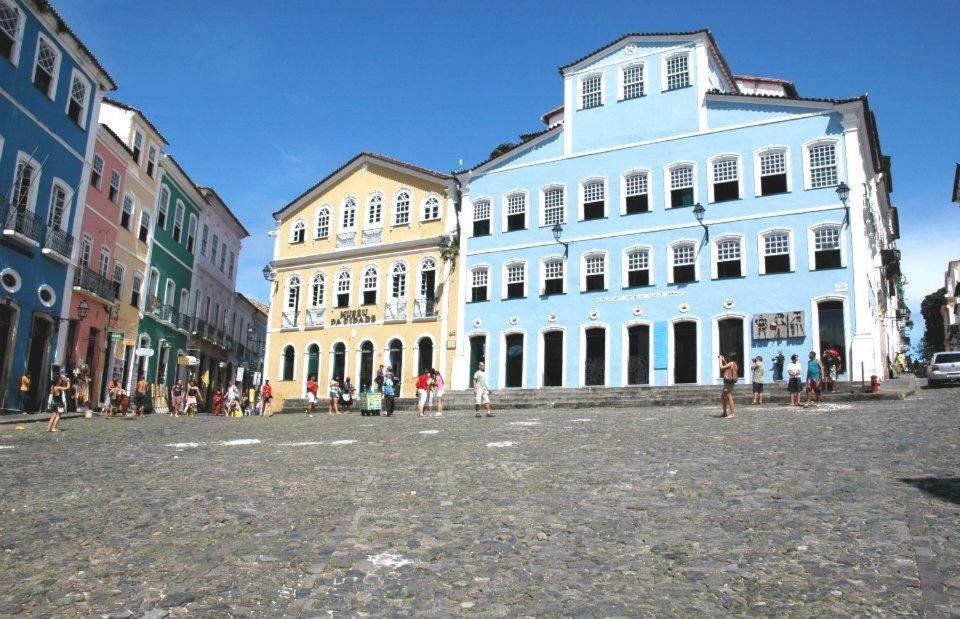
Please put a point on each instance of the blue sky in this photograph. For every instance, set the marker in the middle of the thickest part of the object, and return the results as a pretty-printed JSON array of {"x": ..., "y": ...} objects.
[{"x": 261, "y": 101}]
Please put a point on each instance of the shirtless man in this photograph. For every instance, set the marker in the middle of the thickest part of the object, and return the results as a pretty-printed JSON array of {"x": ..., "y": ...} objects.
[{"x": 140, "y": 395}]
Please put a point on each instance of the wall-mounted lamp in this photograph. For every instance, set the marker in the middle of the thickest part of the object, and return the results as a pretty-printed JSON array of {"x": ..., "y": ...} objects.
[
  {"x": 269, "y": 273},
  {"x": 843, "y": 192},
  {"x": 557, "y": 231}
]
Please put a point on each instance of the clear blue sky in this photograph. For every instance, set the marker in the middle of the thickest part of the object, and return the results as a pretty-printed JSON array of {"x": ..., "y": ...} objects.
[{"x": 261, "y": 101}]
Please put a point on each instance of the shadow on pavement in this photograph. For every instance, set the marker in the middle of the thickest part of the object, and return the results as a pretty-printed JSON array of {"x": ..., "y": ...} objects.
[{"x": 946, "y": 488}]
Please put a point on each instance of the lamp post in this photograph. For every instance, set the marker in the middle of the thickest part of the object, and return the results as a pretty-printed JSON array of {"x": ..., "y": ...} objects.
[
  {"x": 557, "y": 231},
  {"x": 269, "y": 273},
  {"x": 699, "y": 212}
]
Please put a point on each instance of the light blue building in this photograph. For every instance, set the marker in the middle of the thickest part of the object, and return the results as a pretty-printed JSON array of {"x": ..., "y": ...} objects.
[
  {"x": 630, "y": 288},
  {"x": 50, "y": 91}
]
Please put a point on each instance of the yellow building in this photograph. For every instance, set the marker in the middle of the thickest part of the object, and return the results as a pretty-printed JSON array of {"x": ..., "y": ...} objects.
[{"x": 363, "y": 275}]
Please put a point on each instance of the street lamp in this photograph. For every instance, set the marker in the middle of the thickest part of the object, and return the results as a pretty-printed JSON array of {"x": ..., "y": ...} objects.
[
  {"x": 268, "y": 273},
  {"x": 699, "y": 212},
  {"x": 843, "y": 192},
  {"x": 83, "y": 308},
  {"x": 557, "y": 231}
]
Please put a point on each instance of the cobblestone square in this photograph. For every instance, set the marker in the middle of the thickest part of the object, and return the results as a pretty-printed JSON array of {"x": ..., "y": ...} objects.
[{"x": 845, "y": 509}]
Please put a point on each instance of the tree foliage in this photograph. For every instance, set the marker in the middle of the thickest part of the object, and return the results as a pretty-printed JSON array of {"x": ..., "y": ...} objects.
[
  {"x": 933, "y": 322},
  {"x": 502, "y": 148}
]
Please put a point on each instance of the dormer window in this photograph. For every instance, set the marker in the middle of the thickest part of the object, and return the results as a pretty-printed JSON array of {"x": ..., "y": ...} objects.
[
  {"x": 591, "y": 91},
  {"x": 45, "y": 69},
  {"x": 678, "y": 72},
  {"x": 632, "y": 82}
]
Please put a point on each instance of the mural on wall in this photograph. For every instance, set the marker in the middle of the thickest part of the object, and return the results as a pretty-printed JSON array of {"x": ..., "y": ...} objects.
[{"x": 779, "y": 325}]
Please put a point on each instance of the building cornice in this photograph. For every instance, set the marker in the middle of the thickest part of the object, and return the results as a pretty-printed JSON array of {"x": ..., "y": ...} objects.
[{"x": 357, "y": 253}]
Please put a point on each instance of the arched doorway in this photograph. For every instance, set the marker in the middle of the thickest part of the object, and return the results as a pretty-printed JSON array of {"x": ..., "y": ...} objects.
[
  {"x": 684, "y": 352},
  {"x": 831, "y": 330},
  {"x": 730, "y": 340},
  {"x": 424, "y": 354},
  {"x": 595, "y": 357},
  {"x": 289, "y": 357},
  {"x": 478, "y": 353},
  {"x": 144, "y": 342},
  {"x": 395, "y": 361},
  {"x": 366, "y": 366},
  {"x": 313, "y": 362},
  {"x": 513, "y": 360},
  {"x": 339, "y": 360},
  {"x": 638, "y": 355},
  {"x": 553, "y": 358}
]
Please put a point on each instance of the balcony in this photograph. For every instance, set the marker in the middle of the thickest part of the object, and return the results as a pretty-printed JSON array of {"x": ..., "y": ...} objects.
[
  {"x": 346, "y": 239},
  {"x": 288, "y": 319},
  {"x": 315, "y": 317},
  {"x": 85, "y": 280},
  {"x": 371, "y": 237},
  {"x": 58, "y": 245},
  {"x": 199, "y": 327},
  {"x": 185, "y": 322},
  {"x": 211, "y": 332},
  {"x": 395, "y": 310},
  {"x": 168, "y": 313},
  {"x": 424, "y": 308},
  {"x": 23, "y": 225}
]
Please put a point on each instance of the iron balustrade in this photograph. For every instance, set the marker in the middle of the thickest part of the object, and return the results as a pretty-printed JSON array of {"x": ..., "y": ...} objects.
[
  {"x": 24, "y": 222},
  {"x": 199, "y": 327},
  {"x": 91, "y": 281},
  {"x": 185, "y": 322},
  {"x": 168, "y": 313},
  {"x": 59, "y": 241},
  {"x": 315, "y": 317},
  {"x": 424, "y": 307},
  {"x": 395, "y": 309},
  {"x": 288, "y": 319}
]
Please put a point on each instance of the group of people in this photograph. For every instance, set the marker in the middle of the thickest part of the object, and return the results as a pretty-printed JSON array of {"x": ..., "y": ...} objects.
[
  {"x": 340, "y": 395},
  {"x": 820, "y": 371}
]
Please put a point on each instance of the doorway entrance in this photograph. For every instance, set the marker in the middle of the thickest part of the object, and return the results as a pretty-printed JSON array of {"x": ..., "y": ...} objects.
[
  {"x": 366, "y": 366},
  {"x": 38, "y": 356},
  {"x": 595, "y": 357},
  {"x": 424, "y": 355},
  {"x": 9, "y": 315},
  {"x": 478, "y": 353},
  {"x": 395, "y": 353},
  {"x": 831, "y": 331},
  {"x": 339, "y": 361},
  {"x": 684, "y": 352},
  {"x": 730, "y": 340},
  {"x": 638, "y": 355},
  {"x": 553, "y": 359},
  {"x": 513, "y": 360},
  {"x": 313, "y": 362}
]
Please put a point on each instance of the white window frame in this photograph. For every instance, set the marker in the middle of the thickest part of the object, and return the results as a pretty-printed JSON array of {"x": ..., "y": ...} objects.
[
  {"x": 666, "y": 183},
  {"x": 93, "y": 166},
  {"x": 138, "y": 150},
  {"x": 192, "y": 225},
  {"x": 320, "y": 277},
  {"x": 181, "y": 209},
  {"x": 349, "y": 292},
  {"x": 396, "y": 196},
  {"x": 696, "y": 258},
  {"x": 758, "y": 153},
  {"x": 714, "y": 253},
  {"x": 473, "y": 212},
  {"x": 583, "y": 268},
  {"x": 393, "y": 274},
  {"x": 621, "y": 82},
  {"x": 423, "y": 207},
  {"x": 67, "y": 200},
  {"x": 342, "y": 227},
  {"x": 710, "y": 182},
  {"x": 421, "y": 269},
  {"x": 115, "y": 174},
  {"x": 580, "y": 195},
  {"x": 805, "y": 150},
  {"x": 503, "y": 277},
  {"x": 316, "y": 222},
  {"x": 103, "y": 263},
  {"x": 489, "y": 269},
  {"x": 623, "y": 188},
  {"x": 52, "y": 95},
  {"x": 18, "y": 36},
  {"x": 811, "y": 245},
  {"x": 77, "y": 75},
  {"x": 293, "y": 279},
  {"x": 762, "y": 248},
  {"x": 666, "y": 58},
  {"x": 581, "y": 80},
  {"x": 292, "y": 240},
  {"x": 122, "y": 269},
  {"x": 34, "y": 187},
  {"x": 378, "y": 224},
  {"x": 542, "y": 211},
  {"x": 543, "y": 272},
  {"x": 163, "y": 206},
  {"x": 624, "y": 266},
  {"x": 376, "y": 284},
  {"x": 85, "y": 251},
  {"x": 505, "y": 206}
]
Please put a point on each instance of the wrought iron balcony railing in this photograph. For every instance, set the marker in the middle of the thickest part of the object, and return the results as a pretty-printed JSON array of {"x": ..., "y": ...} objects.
[
  {"x": 395, "y": 309},
  {"x": 168, "y": 313},
  {"x": 23, "y": 222},
  {"x": 315, "y": 317},
  {"x": 288, "y": 319},
  {"x": 199, "y": 327},
  {"x": 93, "y": 282},
  {"x": 185, "y": 322},
  {"x": 424, "y": 307},
  {"x": 346, "y": 239},
  {"x": 59, "y": 241},
  {"x": 371, "y": 237}
]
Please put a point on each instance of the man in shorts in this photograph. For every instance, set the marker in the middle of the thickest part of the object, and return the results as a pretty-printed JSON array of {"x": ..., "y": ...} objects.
[
  {"x": 311, "y": 395},
  {"x": 482, "y": 390},
  {"x": 140, "y": 395}
]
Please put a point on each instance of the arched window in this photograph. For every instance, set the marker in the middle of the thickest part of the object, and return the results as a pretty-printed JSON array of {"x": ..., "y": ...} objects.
[
  {"x": 401, "y": 208},
  {"x": 184, "y": 301},
  {"x": 163, "y": 207},
  {"x": 515, "y": 280},
  {"x": 431, "y": 208},
  {"x": 168, "y": 292},
  {"x": 343, "y": 288},
  {"x": 339, "y": 367},
  {"x": 516, "y": 211},
  {"x": 291, "y": 309},
  {"x": 481, "y": 218},
  {"x": 313, "y": 361},
  {"x": 398, "y": 280},
  {"x": 348, "y": 215},
  {"x": 370, "y": 281},
  {"x": 821, "y": 164},
  {"x": 428, "y": 278},
  {"x": 724, "y": 178},
  {"x": 178, "y": 221},
  {"x": 728, "y": 257},
  {"x": 375, "y": 209},
  {"x": 317, "y": 289},
  {"x": 683, "y": 268},
  {"x": 322, "y": 229},
  {"x": 424, "y": 354},
  {"x": 104, "y": 261},
  {"x": 289, "y": 358},
  {"x": 191, "y": 233},
  {"x": 298, "y": 233},
  {"x": 135, "y": 286}
]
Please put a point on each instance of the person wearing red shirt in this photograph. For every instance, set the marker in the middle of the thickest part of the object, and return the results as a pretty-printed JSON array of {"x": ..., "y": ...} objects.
[
  {"x": 311, "y": 395},
  {"x": 423, "y": 393},
  {"x": 266, "y": 397}
]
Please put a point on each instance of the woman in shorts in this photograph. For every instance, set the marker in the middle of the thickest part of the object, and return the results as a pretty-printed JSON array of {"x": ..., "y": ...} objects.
[
  {"x": 334, "y": 395},
  {"x": 438, "y": 391},
  {"x": 193, "y": 398},
  {"x": 756, "y": 374},
  {"x": 58, "y": 401},
  {"x": 815, "y": 376}
]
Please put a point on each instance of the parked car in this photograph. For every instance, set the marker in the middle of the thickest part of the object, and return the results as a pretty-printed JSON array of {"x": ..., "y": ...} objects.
[{"x": 944, "y": 368}]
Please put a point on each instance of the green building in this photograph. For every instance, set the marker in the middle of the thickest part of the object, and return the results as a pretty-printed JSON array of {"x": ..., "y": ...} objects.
[{"x": 166, "y": 321}]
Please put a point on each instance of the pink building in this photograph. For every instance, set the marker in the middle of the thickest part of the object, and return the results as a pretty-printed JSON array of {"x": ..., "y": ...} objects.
[{"x": 99, "y": 277}]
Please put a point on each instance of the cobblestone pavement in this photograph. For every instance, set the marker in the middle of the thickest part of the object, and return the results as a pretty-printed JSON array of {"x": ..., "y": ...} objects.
[{"x": 846, "y": 509}]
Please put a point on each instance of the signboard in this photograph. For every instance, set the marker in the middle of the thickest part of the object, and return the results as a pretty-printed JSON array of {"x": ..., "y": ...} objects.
[
  {"x": 240, "y": 374},
  {"x": 639, "y": 296},
  {"x": 256, "y": 378},
  {"x": 143, "y": 352},
  {"x": 779, "y": 325},
  {"x": 187, "y": 360},
  {"x": 353, "y": 317},
  {"x": 116, "y": 337}
]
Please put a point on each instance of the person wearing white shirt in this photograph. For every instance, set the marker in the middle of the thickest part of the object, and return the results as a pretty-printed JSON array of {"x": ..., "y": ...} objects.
[{"x": 793, "y": 379}]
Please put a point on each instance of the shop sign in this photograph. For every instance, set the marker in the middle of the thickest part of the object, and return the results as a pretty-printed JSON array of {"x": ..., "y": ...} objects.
[
  {"x": 143, "y": 352},
  {"x": 116, "y": 337},
  {"x": 779, "y": 325},
  {"x": 353, "y": 317}
]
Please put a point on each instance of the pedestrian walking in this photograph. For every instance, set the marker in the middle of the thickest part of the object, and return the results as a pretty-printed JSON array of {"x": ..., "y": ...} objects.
[
  {"x": 25, "y": 382},
  {"x": 423, "y": 392},
  {"x": 217, "y": 402},
  {"x": 266, "y": 399},
  {"x": 252, "y": 400},
  {"x": 756, "y": 376},
  {"x": 347, "y": 393},
  {"x": 778, "y": 367},
  {"x": 176, "y": 397},
  {"x": 389, "y": 393},
  {"x": 438, "y": 391},
  {"x": 794, "y": 370},
  {"x": 729, "y": 371},
  {"x": 81, "y": 388},
  {"x": 334, "y": 394},
  {"x": 481, "y": 390},
  {"x": 815, "y": 375},
  {"x": 115, "y": 395},
  {"x": 140, "y": 395},
  {"x": 831, "y": 365},
  {"x": 312, "y": 389},
  {"x": 378, "y": 381},
  {"x": 192, "y": 398},
  {"x": 233, "y": 400},
  {"x": 57, "y": 402}
]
